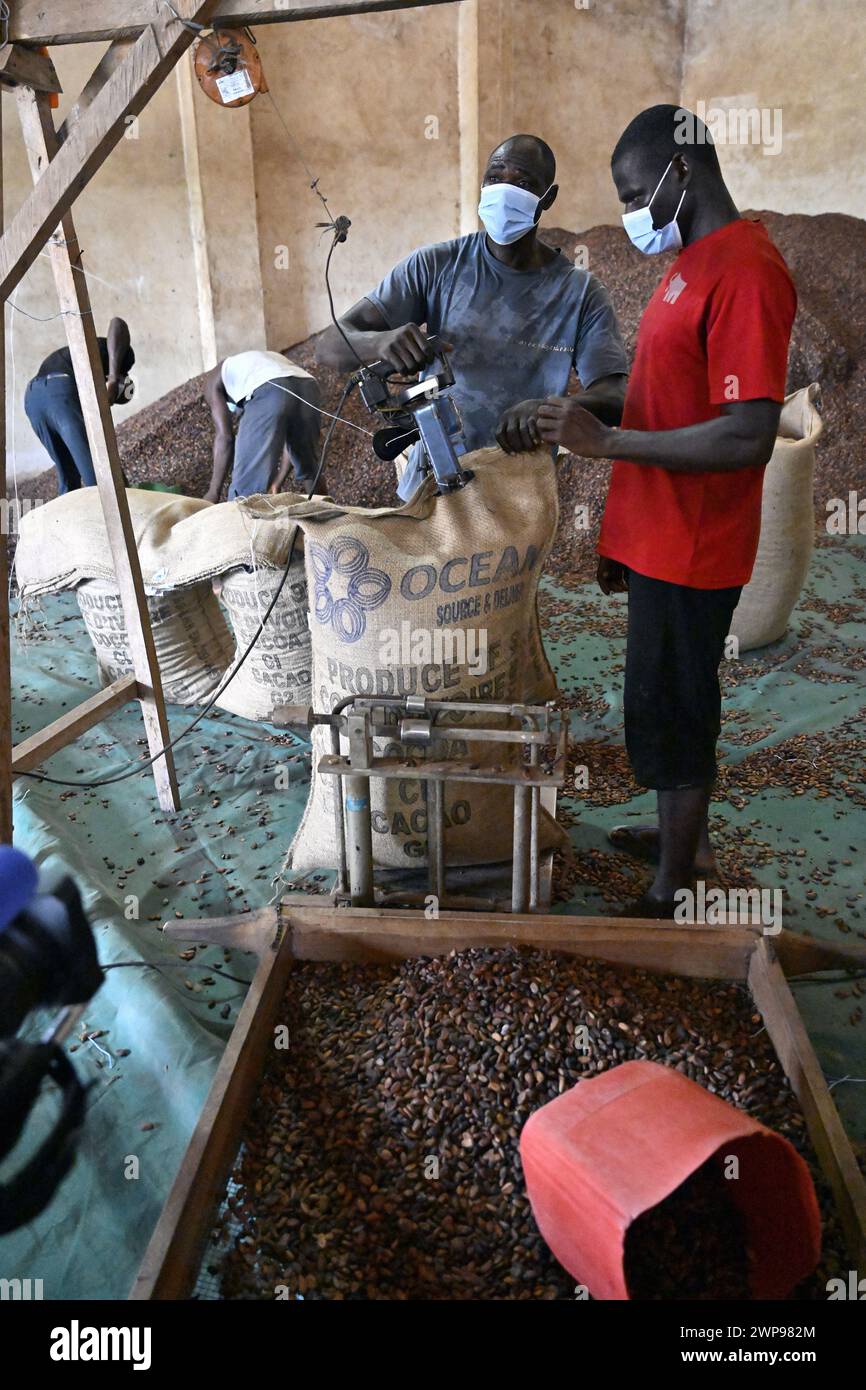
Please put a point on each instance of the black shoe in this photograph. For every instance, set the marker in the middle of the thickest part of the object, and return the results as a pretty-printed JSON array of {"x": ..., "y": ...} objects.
[{"x": 659, "y": 909}]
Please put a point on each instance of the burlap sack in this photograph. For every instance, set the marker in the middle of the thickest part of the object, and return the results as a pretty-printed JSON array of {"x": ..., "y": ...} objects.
[
  {"x": 540, "y": 676},
  {"x": 193, "y": 642},
  {"x": 787, "y": 526},
  {"x": 180, "y": 540},
  {"x": 250, "y": 531},
  {"x": 541, "y": 684},
  {"x": 469, "y": 561},
  {"x": 278, "y": 670}
]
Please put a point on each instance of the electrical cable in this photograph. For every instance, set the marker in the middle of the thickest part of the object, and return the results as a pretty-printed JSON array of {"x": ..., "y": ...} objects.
[
  {"x": 64, "y": 314},
  {"x": 14, "y": 460},
  {"x": 142, "y": 765},
  {"x": 328, "y": 414},
  {"x": 88, "y": 274},
  {"x": 175, "y": 965},
  {"x": 187, "y": 23},
  {"x": 340, "y": 225},
  {"x": 339, "y": 327},
  {"x": 333, "y": 223}
]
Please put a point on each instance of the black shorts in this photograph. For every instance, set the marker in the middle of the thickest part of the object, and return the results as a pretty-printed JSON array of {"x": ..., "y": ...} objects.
[{"x": 673, "y": 703}]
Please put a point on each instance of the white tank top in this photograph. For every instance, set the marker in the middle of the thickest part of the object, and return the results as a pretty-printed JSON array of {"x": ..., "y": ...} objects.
[{"x": 243, "y": 373}]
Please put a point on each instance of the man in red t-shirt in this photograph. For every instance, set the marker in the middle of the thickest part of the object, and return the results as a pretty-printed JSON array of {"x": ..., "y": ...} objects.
[{"x": 683, "y": 512}]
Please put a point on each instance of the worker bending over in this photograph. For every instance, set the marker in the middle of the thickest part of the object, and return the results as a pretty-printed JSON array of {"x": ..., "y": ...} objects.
[
  {"x": 683, "y": 512},
  {"x": 276, "y": 403},
  {"x": 516, "y": 313},
  {"x": 53, "y": 407}
]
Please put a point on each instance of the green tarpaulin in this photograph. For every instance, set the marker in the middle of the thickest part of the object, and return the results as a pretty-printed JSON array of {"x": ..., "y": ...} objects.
[{"x": 790, "y": 814}]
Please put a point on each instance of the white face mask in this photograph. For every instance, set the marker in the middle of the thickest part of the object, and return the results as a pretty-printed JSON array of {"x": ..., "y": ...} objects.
[
  {"x": 646, "y": 237},
  {"x": 508, "y": 212}
]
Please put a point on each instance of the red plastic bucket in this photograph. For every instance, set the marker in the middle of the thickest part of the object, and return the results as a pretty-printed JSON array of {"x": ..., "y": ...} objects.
[{"x": 617, "y": 1144}]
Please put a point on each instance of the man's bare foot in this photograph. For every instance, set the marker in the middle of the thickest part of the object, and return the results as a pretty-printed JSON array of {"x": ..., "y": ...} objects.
[{"x": 642, "y": 842}]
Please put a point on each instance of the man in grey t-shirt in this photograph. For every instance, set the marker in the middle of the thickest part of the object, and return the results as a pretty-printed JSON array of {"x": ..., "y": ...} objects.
[{"x": 517, "y": 314}]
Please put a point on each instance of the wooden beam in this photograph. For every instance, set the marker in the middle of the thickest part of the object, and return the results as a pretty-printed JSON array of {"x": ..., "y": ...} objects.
[
  {"x": 375, "y": 934},
  {"x": 5, "y": 653},
  {"x": 98, "y": 21},
  {"x": 92, "y": 138},
  {"x": 108, "y": 63},
  {"x": 40, "y": 139},
  {"x": 171, "y": 1261},
  {"x": 801, "y": 955},
  {"x": 321, "y": 932},
  {"x": 35, "y": 749},
  {"x": 773, "y": 997},
  {"x": 23, "y": 66},
  {"x": 242, "y": 931},
  {"x": 250, "y": 931}
]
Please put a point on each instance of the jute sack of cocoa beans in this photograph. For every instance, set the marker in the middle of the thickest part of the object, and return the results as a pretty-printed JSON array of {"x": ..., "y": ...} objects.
[
  {"x": 247, "y": 544},
  {"x": 66, "y": 540},
  {"x": 192, "y": 639},
  {"x": 180, "y": 540},
  {"x": 278, "y": 670},
  {"x": 183, "y": 542},
  {"x": 250, "y": 531},
  {"x": 433, "y": 598},
  {"x": 787, "y": 526}
]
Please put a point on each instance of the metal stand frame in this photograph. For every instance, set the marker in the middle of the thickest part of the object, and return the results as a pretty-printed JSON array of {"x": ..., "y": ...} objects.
[{"x": 426, "y": 724}]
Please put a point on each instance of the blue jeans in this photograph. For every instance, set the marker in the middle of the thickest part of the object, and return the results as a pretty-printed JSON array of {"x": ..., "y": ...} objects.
[
  {"x": 271, "y": 418},
  {"x": 54, "y": 410}
]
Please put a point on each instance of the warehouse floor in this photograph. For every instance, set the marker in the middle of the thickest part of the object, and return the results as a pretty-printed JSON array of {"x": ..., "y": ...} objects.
[{"x": 790, "y": 814}]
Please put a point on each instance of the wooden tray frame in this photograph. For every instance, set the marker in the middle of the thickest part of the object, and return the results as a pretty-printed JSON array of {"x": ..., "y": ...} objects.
[{"x": 305, "y": 929}]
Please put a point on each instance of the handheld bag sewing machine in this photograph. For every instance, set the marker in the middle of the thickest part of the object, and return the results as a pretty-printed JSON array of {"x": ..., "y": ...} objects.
[{"x": 421, "y": 411}]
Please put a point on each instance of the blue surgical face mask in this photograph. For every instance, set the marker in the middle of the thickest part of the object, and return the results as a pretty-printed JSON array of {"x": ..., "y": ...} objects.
[
  {"x": 646, "y": 237},
  {"x": 508, "y": 212}
]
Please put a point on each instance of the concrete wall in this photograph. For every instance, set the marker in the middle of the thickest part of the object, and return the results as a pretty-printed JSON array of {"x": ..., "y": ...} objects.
[
  {"x": 804, "y": 60},
  {"x": 203, "y": 227},
  {"x": 576, "y": 76},
  {"x": 372, "y": 102},
  {"x": 133, "y": 225}
]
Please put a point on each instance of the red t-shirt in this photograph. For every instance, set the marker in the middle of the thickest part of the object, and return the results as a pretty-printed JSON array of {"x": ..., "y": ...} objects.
[{"x": 716, "y": 330}]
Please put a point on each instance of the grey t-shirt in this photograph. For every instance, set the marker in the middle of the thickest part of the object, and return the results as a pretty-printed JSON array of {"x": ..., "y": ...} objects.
[{"x": 516, "y": 333}]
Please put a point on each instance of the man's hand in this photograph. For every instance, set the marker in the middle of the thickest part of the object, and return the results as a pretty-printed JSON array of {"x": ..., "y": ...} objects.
[
  {"x": 562, "y": 421},
  {"x": 406, "y": 349},
  {"x": 612, "y": 576},
  {"x": 517, "y": 431}
]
